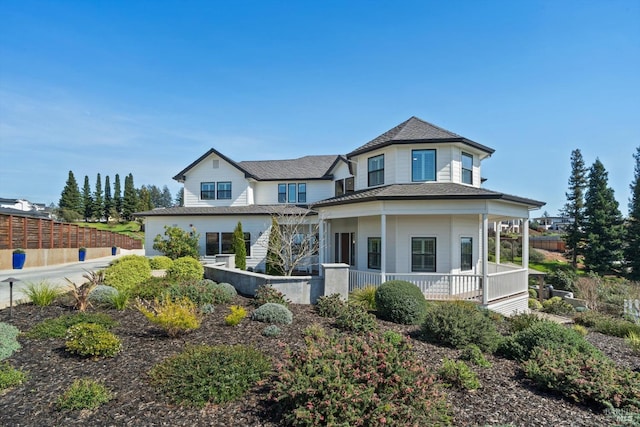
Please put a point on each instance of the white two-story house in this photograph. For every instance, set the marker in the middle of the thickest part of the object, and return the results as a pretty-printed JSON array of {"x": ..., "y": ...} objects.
[{"x": 407, "y": 205}]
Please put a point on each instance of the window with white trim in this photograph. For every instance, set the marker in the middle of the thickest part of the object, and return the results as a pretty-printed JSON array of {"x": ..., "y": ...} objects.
[
  {"x": 467, "y": 168},
  {"x": 466, "y": 253},
  {"x": 374, "y": 253},
  {"x": 376, "y": 170},
  {"x": 207, "y": 190}
]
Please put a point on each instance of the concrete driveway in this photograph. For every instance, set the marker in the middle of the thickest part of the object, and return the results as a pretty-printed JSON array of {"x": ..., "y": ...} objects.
[{"x": 53, "y": 274}]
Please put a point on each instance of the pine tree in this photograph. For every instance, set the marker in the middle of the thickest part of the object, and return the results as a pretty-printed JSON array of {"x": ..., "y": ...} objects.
[
  {"x": 574, "y": 208},
  {"x": 632, "y": 250},
  {"x": 117, "y": 195},
  {"x": 70, "y": 198},
  {"x": 603, "y": 223},
  {"x": 155, "y": 195},
  {"x": 98, "y": 199},
  {"x": 87, "y": 200},
  {"x": 108, "y": 201},
  {"x": 180, "y": 197},
  {"x": 239, "y": 247},
  {"x": 130, "y": 199},
  {"x": 144, "y": 202},
  {"x": 166, "y": 198}
]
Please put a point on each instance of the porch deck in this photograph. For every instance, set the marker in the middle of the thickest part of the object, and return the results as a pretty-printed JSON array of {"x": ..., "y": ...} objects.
[{"x": 503, "y": 281}]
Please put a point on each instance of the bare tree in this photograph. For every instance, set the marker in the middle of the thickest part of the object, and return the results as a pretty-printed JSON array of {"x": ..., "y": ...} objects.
[{"x": 293, "y": 240}]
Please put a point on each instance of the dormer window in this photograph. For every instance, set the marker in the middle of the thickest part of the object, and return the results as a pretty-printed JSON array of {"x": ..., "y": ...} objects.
[
  {"x": 467, "y": 168},
  {"x": 423, "y": 165},
  {"x": 376, "y": 170}
]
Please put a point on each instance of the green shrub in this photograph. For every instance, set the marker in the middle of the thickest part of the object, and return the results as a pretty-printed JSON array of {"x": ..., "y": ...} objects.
[
  {"x": 207, "y": 308},
  {"x": 271, "y": 331},
  {"x": 607, "y": 325},
  {"x": 160, "y": 262},
  {"x": 562, "y": 279},
  {"x": 186, "y": 268},
  {"x": 356, "y": 318},
  {"x": 101, "y": 295},
  {"x": 119, "y": 300},
  {"x": 127, "y": 272},
  {"x": 152, "y": 288},
  {"x": 521, "y": 321},
  {"x": 237, "y": 314},
  {"x": 366, "y": 297},
  {"x": 534, "y": 304},
  {"x": 400, "y": 302},
  {"x": 203, "y": 291},
  {"x": 536, "y": 256},
  {"x": 8, "y": 340},
  {"x": 544, "y": 334},
  {"x": 473, "y": 354},
  {"x": 558, "y": 306},
  {"x": 272, "y": 313},
  {"x": 10, "y": 376},
  {"x": 174, "y": 317},
  {"x": 42, "y": 294},
  {"x": 533, "y": 293},
  {"x": 178, "y": 243},
  {"x": 84, "y": 394},
  {"x": 364, "y": 380},
  {"x": 204, "y": 374},
  {"x": 584, "y": 377},
  {"x": 581, "y": 330},
  {"x": 57, "y": 327},
  {"x": 92, "y": 340},
  {"x": 633, "y": 340},
  {"x": 393, "y": 337},
  {"x": 458, "y": 324},
  {"x": 458, "y": 374},
  {"x": 267, "y": 293},
  {"x": 331, "y": 305}
]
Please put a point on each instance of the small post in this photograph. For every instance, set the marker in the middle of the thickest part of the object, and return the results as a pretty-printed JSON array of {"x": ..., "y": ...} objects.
[{"x": 11, "y": 280}]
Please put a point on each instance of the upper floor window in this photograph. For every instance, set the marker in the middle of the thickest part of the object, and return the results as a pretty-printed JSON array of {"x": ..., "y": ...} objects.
[
  {"x": 423, "y": 254},
  {"x": 207, "y": 190},
  {"x": 345, "y": 186},
  {"x": 467, "y": 168},
  {"x": 466, "y": 253},
  {"x": 224, "y": 190},
  {"x": 423, "y": 165},
  {"x": 376, "y": 170},
  {"x": 292, "y": 193}
]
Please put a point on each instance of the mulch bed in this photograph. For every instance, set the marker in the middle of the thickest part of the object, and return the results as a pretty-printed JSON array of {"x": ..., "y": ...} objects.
[{"x": 506, "y": 397}]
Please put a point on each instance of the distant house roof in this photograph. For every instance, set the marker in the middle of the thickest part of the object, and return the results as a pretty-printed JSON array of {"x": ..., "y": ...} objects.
[
  {"x": 416, "y": 130},
  {"x": 425, "y": 191},
  {"x": 229, "y": 210},
  {"x": 20, "y": 212},
  {"x": 307, "y": 167}
]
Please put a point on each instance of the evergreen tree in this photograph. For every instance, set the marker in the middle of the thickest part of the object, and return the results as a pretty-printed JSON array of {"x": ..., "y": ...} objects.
[
  {"x": 273, "y": 262},
  {"x": 145, "y": 202},
  {"x": 180, "y": 197},
  {"x": 239, "y": 247},
  {"x": 166, "y": 200},
  {"x": 98, "y": 199},
  {"x": 87, "y": 200},
  {"x": 632, "y": 250},
  {"x": 108, "y": 201},
  {"x": 130, "y": 199},
  {"x": 574, "y": 208},
  {"x": 117, "y": 195},
  {"x": 603, "y": 222},
  {"x": 70, "y": 198}
]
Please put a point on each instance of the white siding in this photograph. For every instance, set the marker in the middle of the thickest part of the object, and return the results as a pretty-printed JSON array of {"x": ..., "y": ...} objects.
[
  {"x": 205, "y": 172},
  {"x": 437, "y": 226},
  {"x": 266, "y": 192}
]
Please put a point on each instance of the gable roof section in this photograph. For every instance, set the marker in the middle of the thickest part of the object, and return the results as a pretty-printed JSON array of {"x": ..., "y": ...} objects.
[
  {"x": 425, "y": 191},
  {"x": 416, "y": 130},
  {"x": 303, "y": 168},
  {"x": 181, "y": 175}
]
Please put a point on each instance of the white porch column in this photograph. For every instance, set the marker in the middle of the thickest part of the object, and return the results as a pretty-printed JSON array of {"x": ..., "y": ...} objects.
[
  {"x": 322, "y": 249},
  {"x": 498, "y": 228},
  {"x": 383, "y": 249},
  {"x": 525, "y": 243},
  {"x": 485, "y": 259}
]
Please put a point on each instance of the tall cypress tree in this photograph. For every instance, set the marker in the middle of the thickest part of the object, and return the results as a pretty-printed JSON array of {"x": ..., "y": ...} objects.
[
  {"x": 574, "y": 208},
  {"x": 87, "y": 200},
  {"x": 273, "y": 262},
  {"x": 108, "y": 201},
  {"x": 239, "y": 247},
  {"x": 98, "y": 199},
  {"x": 117, "y": 195},
  {"x": 632, "y": 250},
  {"x": 603, "y": 223},
  {"x": 130, "y": 199},
  {"x": 70, "y": 198}
]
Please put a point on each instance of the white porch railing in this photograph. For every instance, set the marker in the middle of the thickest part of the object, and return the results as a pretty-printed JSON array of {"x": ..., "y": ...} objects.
[{"x": 504, "y": 282}]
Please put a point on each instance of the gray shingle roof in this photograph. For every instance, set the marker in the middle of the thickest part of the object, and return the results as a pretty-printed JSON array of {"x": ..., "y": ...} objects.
[
  {"x": 424, "y": 191},
  {"x": 229, "y": 210},
  {"x": 308, "y": 167},
  {"x": 416, "y": 130}
]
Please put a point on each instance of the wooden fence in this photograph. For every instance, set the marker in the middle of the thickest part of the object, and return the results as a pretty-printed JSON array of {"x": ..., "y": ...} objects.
[
  {"x": 41, "y": 233},
  {"x": 549, "y": 243}
]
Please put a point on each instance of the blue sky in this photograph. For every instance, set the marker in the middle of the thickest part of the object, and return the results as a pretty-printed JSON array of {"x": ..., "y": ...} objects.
[{"x": 146, "y": 87}]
